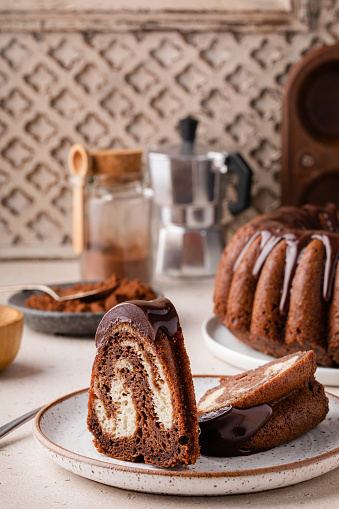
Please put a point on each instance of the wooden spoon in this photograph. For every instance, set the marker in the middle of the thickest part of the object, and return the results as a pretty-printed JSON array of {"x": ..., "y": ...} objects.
[{"x": 79, "y": 163}]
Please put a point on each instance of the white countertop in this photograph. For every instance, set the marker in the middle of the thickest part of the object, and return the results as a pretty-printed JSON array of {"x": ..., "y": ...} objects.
[{"x": 48, "y": 367}]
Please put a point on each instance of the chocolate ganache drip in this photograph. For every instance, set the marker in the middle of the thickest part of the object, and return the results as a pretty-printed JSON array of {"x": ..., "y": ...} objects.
[
  {"x": 224, "y": 432},
  {"x": 147, "y": 316},
  {"x": 298, "y": 227}
]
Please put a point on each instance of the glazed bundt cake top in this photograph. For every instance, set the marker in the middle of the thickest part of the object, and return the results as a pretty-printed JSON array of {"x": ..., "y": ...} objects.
[
  {"x": 277, "y": 285},
  {"x": 297, "y": 226}
]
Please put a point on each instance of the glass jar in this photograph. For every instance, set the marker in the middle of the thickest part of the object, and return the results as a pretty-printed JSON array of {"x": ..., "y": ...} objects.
[{"x": 117, "y": 228}]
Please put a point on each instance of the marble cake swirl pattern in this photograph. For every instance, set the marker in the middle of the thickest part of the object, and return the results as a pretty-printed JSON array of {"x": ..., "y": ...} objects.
[
  {"x": 262, "y": 408},
  {"x": 141, "y": 401}
]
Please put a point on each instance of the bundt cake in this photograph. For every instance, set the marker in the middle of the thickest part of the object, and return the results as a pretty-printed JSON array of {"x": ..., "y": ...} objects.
[
  {"x": 141, "y": 404},
  {"x": 262, "y": 408},
  {"x": 277, "y": 287}
]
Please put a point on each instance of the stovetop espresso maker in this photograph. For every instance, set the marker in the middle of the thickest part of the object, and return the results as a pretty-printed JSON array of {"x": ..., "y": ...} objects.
[{"x": 187, "y": 180}]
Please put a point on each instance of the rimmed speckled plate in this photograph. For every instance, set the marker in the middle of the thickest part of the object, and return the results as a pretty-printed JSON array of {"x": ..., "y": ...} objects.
[
  {"x": 60, "y": 429},
  {"x": 221, "y": 342}
]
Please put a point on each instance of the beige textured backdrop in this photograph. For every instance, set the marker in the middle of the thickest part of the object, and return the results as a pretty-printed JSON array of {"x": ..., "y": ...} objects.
[{"x": 130, "y": 89}]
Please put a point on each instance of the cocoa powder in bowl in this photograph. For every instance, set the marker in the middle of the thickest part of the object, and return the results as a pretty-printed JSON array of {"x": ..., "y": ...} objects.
[{"x": 125, "y": 290}]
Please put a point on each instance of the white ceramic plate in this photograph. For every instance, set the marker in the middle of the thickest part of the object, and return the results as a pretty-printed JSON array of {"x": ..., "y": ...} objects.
[
  {"x": 228, "y": 348},
  {"x": 60, "y": 429}
]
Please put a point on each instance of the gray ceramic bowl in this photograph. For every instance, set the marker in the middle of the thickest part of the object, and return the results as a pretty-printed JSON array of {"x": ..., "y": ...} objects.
[{"x": 56, "y": 322}]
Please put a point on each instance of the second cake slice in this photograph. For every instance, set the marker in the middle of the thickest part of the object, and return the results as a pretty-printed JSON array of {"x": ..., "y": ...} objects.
[{"x": 262, "y": 408}]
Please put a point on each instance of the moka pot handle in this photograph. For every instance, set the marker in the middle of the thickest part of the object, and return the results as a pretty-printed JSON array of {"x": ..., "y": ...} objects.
[{"x": 236, "y": 164}]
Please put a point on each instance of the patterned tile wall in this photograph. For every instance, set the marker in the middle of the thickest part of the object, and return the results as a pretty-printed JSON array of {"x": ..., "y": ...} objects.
[{"x": 130, "y": 89}]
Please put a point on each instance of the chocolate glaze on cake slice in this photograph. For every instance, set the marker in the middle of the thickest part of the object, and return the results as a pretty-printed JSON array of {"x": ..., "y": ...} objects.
[
  {"x": 262, "y": 408},
  {"x": 141, "y": 400}
]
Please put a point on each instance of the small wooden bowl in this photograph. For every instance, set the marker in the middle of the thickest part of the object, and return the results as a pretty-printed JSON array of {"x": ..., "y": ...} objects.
[{"x": 11, "y": 325}]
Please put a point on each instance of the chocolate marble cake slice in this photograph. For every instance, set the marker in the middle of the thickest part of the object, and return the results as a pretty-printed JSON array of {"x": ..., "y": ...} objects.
[
  {"x": 141, "y": 403},
  {"x": 262, "y": 408}
]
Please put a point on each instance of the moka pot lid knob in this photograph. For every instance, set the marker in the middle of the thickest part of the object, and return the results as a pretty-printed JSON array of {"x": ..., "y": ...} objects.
[{"x": 187, "y": 150}]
